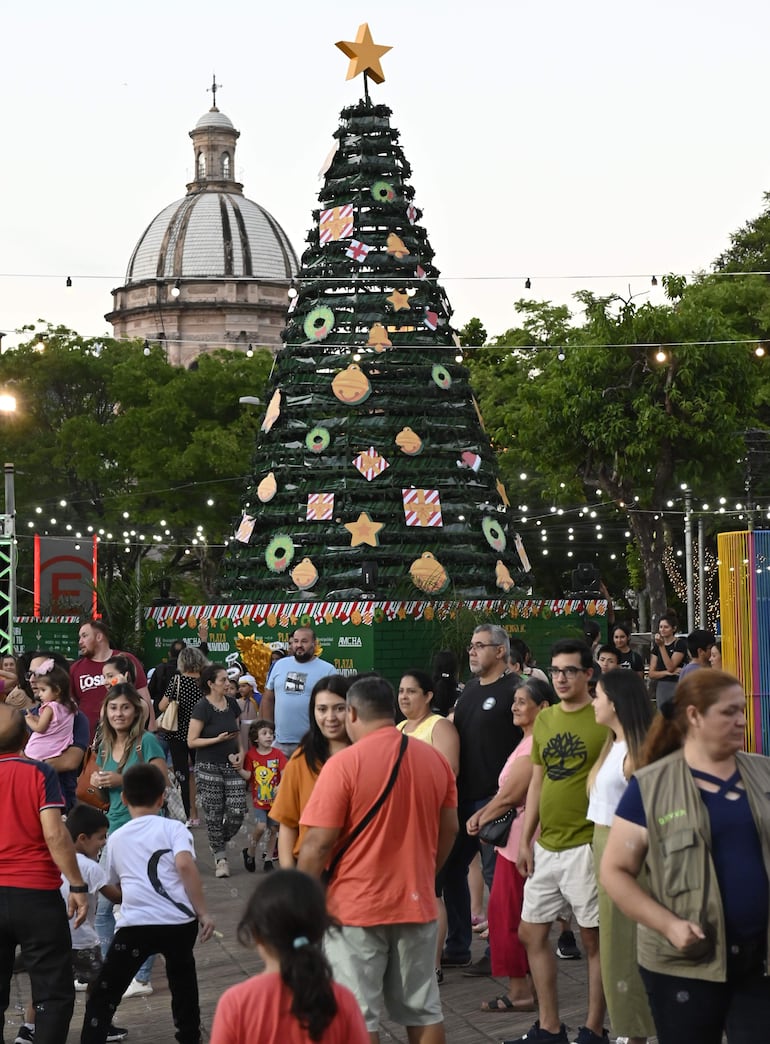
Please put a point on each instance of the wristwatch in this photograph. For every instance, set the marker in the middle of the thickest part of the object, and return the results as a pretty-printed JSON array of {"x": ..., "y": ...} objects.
[{"x": 79, "y": 889}]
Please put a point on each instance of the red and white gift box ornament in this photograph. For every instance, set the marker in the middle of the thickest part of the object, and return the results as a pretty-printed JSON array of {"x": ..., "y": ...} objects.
[
  {"x": 371, "y": 463},
  {"x": 411, "y": 213},
  {"x": 420, "y": 272},
  {"x": 320, "y": 507},
  {"x": 335, "y": 223},
  {"x": 431, "y": 319},
  {"x": 357, "y": 250},
  {"x": 422, "y": 507}
]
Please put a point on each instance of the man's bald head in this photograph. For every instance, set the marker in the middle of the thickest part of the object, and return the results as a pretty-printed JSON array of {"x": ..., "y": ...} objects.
[{"x": 13, "y": 730}]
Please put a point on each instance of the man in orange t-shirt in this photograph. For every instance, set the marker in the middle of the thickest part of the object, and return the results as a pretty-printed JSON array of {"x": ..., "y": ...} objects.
[{"x": 383, "y": 889}]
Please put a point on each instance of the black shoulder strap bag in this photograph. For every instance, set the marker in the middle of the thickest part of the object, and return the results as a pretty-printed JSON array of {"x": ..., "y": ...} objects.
[{"x": 364, "y": 823}]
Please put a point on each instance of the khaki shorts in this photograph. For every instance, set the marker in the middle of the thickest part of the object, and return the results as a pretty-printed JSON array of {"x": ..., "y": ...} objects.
[
  {"x": 562, "y": 878},
  {"x": 390, "y": 966}
]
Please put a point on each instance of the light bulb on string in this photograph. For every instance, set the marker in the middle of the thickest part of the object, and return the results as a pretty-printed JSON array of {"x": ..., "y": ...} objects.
[
  {"x": 661, "y": 355},
  {"x": 759, "y": 351},
  {"x": 146, "y": 348},
  {"x": 654, "y": 281},
  {"x": 292, "y": 291},
  {"x": 249, "y": 352},
  {"x": 69, "y": 281},
  {"x": 527, "y": 283},
  {"x": 176, "y": 289}
]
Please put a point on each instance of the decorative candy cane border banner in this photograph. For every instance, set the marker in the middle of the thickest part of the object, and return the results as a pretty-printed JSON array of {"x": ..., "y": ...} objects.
[{"x": 296, "y": 614}]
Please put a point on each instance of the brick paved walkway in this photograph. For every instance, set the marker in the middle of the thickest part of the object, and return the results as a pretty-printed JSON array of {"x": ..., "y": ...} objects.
[{"x": 222, "y": 962}]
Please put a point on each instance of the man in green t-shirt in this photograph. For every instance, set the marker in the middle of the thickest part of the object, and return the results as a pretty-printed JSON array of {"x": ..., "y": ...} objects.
[{"x": 559, "y": 864}]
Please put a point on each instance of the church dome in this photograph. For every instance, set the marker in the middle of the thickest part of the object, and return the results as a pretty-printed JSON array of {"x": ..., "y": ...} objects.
[
  {"x": 212, "y": 235},
  {"x": 214, "y": 118},
  {"x": 214, "y": 232},
  {"x": 213, "y": 268}
]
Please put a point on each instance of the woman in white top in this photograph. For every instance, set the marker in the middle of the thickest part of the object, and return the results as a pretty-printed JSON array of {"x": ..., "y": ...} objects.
[{"x": 623, "y": 705}]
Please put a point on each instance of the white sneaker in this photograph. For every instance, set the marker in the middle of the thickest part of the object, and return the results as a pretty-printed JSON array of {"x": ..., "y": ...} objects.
[
  {"x": 80, "y": 986},
  {"x": 222, "y": 868},
  {"x": 138, "y": 989}
]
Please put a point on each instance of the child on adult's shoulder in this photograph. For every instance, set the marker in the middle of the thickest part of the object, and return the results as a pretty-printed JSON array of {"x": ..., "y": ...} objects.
[
  {"x": 295, "y": 999},
  {"x": 263, "y": 766},
  {"x": 162, "y": 904},
  {"x": 87, "y": 827},
  {"x": 52, "y": 723}
]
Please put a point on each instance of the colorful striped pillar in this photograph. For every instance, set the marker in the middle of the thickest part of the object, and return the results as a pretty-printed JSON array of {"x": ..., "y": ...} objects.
[{"x": 744, "y": 598}]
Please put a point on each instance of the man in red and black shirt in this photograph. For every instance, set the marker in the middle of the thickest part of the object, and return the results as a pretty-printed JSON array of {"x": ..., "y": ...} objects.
[
  {"x": 88, "y": 685},
  {"x": 35, "y": 850}
]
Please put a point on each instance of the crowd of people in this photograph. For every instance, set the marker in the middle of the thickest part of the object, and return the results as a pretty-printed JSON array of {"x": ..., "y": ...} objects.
[{"x": 644, "y": 828}]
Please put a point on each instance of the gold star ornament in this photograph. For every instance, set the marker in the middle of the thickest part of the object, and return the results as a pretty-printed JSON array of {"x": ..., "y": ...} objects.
[
  {"x": 364, "y": 531},
  {"x": 399, "y": 300},
  {"x": 364, "y": 55}
]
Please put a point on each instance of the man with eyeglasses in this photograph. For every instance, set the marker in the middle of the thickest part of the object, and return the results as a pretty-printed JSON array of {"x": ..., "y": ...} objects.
[
  {"x": 488, "y": 736},
  {"x": 559, "y": 868}
]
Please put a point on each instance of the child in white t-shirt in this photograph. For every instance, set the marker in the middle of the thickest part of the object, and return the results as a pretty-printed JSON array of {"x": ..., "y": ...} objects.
[{"x": 153, "y": 861}]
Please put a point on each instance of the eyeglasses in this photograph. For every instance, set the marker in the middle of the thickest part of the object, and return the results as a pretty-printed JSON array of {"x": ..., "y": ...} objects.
[
  {"x": 475, "y": 646},
  {"x": 570, "y": 673}
]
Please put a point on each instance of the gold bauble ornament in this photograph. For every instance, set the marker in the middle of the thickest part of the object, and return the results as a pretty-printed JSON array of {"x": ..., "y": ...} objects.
[
  {"x": 428, "y": 574},
  {"x": 409, "y": 442},
  {"x": 304, "y": 574},
  {"x": 351, "y": 385}
]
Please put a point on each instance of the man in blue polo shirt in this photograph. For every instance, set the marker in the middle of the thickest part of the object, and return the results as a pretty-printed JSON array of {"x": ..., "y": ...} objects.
[{"x": 287, "y": 692}]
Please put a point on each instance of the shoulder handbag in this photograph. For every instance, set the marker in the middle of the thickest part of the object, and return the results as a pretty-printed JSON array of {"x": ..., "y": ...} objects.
[
  {"x": 97, "y": 797},
  {"x": 496, "y": 831},
  {"x": 354, "y": 833},
  {"x": 173, "y": 806},
  {"x": 169, "y": 719}
]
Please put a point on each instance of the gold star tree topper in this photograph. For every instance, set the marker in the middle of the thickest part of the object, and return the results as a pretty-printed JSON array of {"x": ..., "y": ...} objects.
[{"x": 364, "y": 55}]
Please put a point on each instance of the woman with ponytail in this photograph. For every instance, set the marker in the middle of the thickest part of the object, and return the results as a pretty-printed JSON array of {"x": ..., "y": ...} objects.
[
  {"x": 696, "y": 816},
  {"x": 295, "y": 999}
]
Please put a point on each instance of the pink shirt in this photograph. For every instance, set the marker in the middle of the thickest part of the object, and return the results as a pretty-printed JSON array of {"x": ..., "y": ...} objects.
[
  {"x": 511, "y": 849},
  {"x": 56, "y": 738}
]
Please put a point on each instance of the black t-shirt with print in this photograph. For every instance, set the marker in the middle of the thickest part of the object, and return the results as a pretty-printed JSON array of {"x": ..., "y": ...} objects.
[{"x": 487, "y": 735}]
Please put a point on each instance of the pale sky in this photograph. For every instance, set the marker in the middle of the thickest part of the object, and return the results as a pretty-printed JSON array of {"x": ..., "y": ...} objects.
[{"x": 547, "y": 139}]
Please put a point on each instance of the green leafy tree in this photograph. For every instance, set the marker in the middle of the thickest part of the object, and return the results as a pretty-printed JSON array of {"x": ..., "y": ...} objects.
[
  {"x": 473, "y": 334},
  {"x": 107, "y": 437},
  {"x": 604, "y": 414},
  {"x": 370, "y": 408},
  {"x": 749, "y": 249}
]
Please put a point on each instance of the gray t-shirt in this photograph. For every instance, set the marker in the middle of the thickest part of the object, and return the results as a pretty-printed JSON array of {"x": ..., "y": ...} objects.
[{"x": 292, "y": 683}]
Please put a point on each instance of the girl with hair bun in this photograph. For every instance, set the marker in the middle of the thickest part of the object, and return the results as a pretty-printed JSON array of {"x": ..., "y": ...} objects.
[{"x": 295, "y": 999}]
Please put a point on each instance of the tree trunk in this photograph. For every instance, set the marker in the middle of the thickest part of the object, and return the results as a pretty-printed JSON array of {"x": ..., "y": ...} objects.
[{"x": 644, "y": 528}]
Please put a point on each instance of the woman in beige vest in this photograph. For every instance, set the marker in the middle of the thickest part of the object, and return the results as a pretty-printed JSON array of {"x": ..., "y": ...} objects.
[{"x": 697, "y": 816}]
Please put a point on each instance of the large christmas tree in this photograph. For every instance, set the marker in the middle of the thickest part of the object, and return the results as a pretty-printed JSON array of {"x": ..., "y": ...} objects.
[{"x": 372, "y": 472}]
